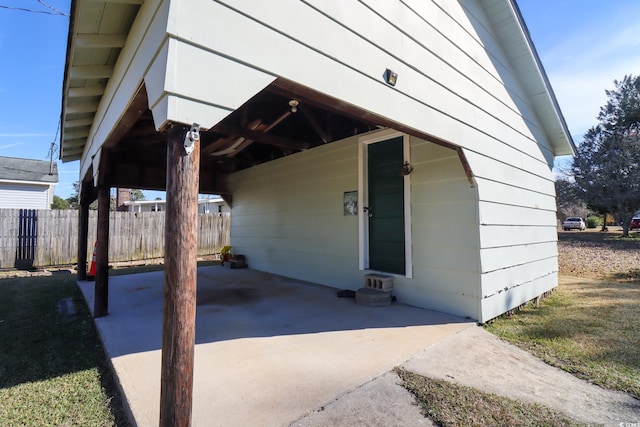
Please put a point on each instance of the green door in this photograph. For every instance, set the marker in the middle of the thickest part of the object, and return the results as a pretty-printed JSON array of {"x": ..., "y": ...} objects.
[{"x": 386, "y": 206}]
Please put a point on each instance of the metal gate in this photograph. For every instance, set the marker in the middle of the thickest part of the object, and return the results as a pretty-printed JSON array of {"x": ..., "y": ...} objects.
[{"x": 27, "y": 234}]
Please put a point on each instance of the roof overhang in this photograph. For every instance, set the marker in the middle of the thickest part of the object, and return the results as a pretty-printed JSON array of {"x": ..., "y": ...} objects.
[
  {"x": 509, "y": 26},
  {"x": 98, "y": 30}
]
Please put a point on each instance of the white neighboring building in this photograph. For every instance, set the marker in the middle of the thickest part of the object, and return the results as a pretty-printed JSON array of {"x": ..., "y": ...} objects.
[
  {"x": 27, "y": 183},
  {"x": 210, "y": 205}
]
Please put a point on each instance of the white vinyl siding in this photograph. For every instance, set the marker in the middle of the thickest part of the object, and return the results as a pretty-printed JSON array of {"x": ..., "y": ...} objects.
[
  {"x": 287, "y": 218},
  {"x": 445, "y": 233},
  {"x": 454, "y": 82},
  {"x": 25, "y": 196},
  {"x": 444, "y": 72},
  {"x": 203, "y": 58}
]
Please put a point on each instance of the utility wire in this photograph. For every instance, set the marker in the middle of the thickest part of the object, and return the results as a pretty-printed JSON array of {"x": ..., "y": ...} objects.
[
  {"x": 56, "y": 11},
  {"x": 54, "y": 148},
  {"x": 52, "y": 10}
]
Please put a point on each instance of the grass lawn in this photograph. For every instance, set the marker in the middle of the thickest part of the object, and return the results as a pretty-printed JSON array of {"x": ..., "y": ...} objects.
[
  {"x": 52, "y": 368},
  {"x": 588, "y": 327},
  {"x": 448, "y": 404}
]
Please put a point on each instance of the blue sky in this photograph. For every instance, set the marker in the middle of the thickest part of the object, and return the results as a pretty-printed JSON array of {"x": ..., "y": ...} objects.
[{"x": 584, "y": 45}]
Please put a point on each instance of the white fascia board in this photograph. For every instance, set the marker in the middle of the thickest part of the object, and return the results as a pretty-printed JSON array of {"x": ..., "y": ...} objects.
[
  {"x": 16, "y": 181},
  {"x": 173, "y": 108},
  {"x": 189, "y": 84}
]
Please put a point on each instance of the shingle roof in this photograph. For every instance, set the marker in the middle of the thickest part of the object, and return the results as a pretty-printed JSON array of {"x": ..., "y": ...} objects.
[{"x": 15, "y": 169}]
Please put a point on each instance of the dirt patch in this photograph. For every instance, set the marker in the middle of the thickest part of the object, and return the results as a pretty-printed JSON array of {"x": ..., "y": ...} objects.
[{"x": 600, "y": 255}]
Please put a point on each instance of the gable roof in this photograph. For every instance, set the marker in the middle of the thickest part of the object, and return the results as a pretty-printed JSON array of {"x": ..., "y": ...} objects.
[
  {"x": 98, "y": 31},
  {"x": 15, "y": 169}
]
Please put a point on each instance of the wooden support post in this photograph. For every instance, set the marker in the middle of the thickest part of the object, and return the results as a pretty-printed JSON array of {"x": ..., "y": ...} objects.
[
  {"x": 101, "y": 293},
  {"x": 84, "y": 200},
  {"x": 180, "y": 269},
  {"x": 83, "y": 234}
]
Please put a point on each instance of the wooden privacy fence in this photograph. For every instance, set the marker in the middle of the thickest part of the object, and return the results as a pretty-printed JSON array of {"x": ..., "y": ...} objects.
[{"x": 41, "y": 238}]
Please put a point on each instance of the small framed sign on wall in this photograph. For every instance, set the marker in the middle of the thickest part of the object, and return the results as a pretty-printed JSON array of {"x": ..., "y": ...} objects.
[{"x": 350, "y": 203}]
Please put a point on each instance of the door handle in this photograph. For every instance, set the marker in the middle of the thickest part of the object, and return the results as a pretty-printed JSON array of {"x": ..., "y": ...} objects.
[{"x": 368, "y": 210}]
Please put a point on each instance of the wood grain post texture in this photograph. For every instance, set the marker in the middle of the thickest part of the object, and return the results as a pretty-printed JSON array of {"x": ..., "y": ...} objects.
[
  {"x": 101, "y": 293},
  {"x": 83, "y": 234},
  {"x": 180, "y": 269}
]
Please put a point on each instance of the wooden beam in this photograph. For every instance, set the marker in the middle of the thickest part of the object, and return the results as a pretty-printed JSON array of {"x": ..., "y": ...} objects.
[
  {"x": 180, "y": 270},
  {"x": 101, "y": 293},
  {"x": 288, "y": 88},
  {"x": 314, "y": 123},
  {"x": 466, "y": 166},
  {"x": 135, "y": 110},
  {"x": 262, "y": 137}
]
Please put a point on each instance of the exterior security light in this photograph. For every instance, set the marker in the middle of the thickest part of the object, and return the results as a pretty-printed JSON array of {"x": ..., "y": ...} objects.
[
  {"x": 294, "y": 105},
  {"x": 390, "y": 77},
  {"x": 192, "y": 136}
]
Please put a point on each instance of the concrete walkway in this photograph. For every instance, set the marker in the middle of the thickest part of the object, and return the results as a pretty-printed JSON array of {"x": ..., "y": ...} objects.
[{"x": 271, "y": 351}]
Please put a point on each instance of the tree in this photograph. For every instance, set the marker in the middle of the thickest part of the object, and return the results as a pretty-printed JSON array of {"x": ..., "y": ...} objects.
[
  {"x": 606, "y": 168},
  {"x": 569, "y": 201},
  {"x": 137, "y": 195},
  {"x": 73, "y": 199},
  {"x": 59, "y": 203}
]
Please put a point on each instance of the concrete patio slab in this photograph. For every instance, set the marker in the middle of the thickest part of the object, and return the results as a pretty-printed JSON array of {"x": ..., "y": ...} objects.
[{"x": 269, "y": 350}]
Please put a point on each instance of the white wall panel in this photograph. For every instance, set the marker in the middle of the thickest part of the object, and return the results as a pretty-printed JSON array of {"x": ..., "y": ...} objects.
[
  {"x": 498, "y": 280},
  {"x": 500, "y": 303},
  {"x": 506, "y": 193},
  {"x": 513, "y": 174},
  {"x": 500, "y": 214},
  {"x": 25, "y": 196},
  {"x": 288, "y": 216},
  {"x": 507, "y": 256},
  {"x": 505, "y": 236},
  {"x": 288, "y": 219}
]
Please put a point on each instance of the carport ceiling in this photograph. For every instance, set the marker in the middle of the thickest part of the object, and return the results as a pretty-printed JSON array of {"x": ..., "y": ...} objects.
[{"x": 281, "y": 120}]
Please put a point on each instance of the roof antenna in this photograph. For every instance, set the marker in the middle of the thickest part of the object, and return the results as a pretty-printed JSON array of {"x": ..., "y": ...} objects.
[
  {"x": 51, "y": 153},
  {"x": 53, "y": 149}
]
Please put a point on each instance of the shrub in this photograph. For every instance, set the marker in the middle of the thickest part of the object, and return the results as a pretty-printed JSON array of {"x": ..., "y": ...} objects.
[{"x": 593, "y": 221}]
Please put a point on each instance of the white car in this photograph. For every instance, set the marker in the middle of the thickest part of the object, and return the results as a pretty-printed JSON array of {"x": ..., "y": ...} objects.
[{"x": 574, "y": 223}]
